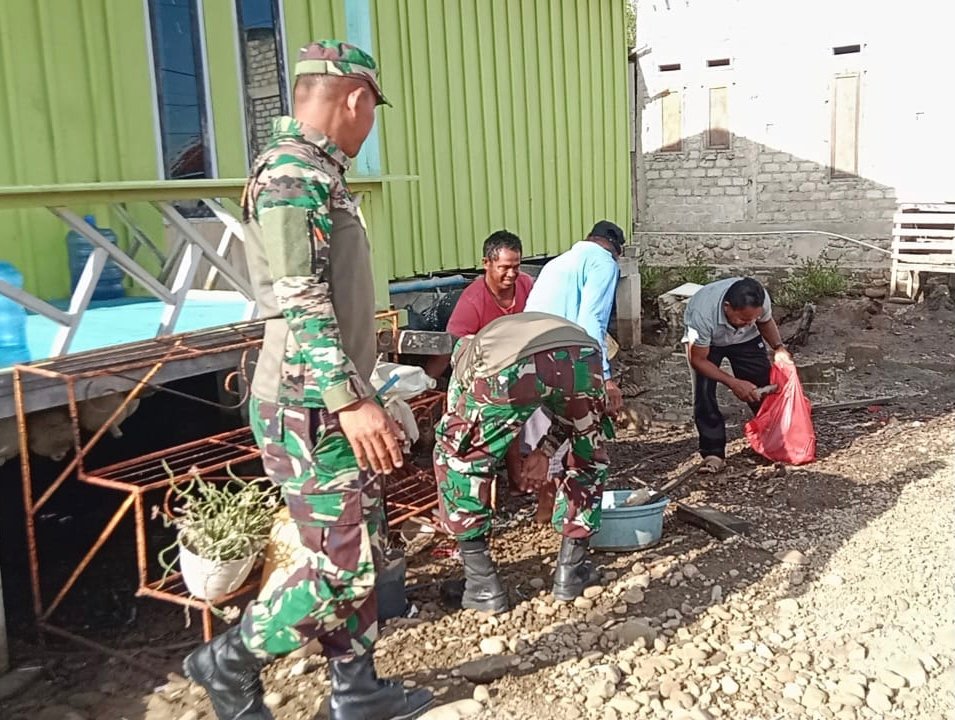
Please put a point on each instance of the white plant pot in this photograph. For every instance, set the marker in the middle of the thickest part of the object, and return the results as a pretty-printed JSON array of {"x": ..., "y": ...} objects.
[{"x": 212, "y": 579}]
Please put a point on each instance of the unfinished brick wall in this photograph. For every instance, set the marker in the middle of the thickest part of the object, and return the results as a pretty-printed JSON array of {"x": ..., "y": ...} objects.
[
  {"x": 262, "y": 83},
  {"x": 753, "y": 117},
  {"x": 752, "y": 187}
]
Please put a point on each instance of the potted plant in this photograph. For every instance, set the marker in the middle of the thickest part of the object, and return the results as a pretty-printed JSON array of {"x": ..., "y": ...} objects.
[{"x": 222, "y": 529}]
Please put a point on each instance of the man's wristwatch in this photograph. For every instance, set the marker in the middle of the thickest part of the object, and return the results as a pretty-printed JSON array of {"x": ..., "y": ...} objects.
[
  {"x": 548, "y": 445},
  {"x": 781, "y": 346}
]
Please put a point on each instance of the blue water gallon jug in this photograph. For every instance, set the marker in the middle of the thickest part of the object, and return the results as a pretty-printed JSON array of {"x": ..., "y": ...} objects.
[
  {"x": 13, "y": 322},
  {"x": 110, "y": 284}
]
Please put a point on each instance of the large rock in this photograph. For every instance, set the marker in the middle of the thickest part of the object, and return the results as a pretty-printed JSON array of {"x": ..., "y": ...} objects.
[
  {"x": 911, "y": 670},
  {"x": 487, "y": 669},
  {"x": 671, "y": 307},
  {"x": 860, "y": 354},
  {"x": 15, "y": 681},
  {"x": 633, "y": 630}
]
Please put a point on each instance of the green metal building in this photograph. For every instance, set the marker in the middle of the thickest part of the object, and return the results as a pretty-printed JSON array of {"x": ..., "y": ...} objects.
[{"x": 507, "y": 113}]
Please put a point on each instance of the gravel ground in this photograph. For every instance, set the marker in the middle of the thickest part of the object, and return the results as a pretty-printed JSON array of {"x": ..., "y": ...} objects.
[{"x": 838, "y": 604}]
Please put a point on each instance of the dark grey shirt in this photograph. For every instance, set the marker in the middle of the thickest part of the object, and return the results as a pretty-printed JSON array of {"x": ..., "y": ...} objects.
[{"x": 706, "y": 323}]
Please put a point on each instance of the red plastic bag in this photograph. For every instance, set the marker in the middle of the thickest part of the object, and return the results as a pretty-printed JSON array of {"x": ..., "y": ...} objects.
[{"x": 782, "y": 429}]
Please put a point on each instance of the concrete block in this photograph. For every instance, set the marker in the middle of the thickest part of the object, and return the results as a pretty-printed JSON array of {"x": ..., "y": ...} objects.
[
  {"x": 807, "y": 187},
  {"x": 714, "y": 172},
  {"x": 734, "y": 191},
  {"x": 863, "y": 354},
  {"x": 771, "y": 167}
]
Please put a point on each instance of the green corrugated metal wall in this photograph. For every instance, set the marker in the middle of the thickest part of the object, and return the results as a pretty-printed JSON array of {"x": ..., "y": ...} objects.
[
  {"x": 511, "y": 113},
  {"x": 77, "y": 108}
]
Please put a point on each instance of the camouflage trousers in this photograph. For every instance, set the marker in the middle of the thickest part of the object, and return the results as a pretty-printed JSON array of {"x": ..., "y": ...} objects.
[
  {"x": 330, "y": 595},
  {"x": 482, "y": 420}
]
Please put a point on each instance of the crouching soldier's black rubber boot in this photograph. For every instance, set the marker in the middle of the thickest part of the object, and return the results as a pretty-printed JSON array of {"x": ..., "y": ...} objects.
[
  {"x": 574, "y": 570},
  {"x": 482, "y": 586},
  {"x": 359, "y": 694},
  {"x": 229, "y": 672}
]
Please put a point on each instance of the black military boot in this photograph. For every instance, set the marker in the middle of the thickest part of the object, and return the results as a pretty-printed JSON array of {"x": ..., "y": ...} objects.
[
  {"x": 359, "y": 694},
  {"x": 482, "y": 587},
  {"x": 229, "y": 672},
  {"x": 574, "y": 570}
]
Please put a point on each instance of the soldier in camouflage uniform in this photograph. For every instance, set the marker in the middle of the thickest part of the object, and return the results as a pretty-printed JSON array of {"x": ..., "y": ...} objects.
[
  {"x": 325, "y": 439},
  {"x": 505, "y": 372}
]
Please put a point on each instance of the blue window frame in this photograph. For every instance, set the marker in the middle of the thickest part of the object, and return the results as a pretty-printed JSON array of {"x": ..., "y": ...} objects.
[
  {"x": 263, "y": 68},
  {"x": 183, "y": 117}
]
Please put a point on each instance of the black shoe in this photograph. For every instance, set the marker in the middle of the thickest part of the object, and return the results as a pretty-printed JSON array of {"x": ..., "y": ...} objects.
[
  {"x": 359, "y": 694},
  {"x": 229, "y": 672},
  {"x": 574, "y": 570},
  {"x": 482, "y": 587}
]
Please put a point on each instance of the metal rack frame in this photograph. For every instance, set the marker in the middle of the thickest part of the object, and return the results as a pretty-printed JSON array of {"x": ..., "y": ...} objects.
[{"x": 410, "y": 491}]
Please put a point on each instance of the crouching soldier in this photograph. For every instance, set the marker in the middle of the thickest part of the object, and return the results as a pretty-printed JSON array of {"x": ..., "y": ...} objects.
[{"x": 505, "y": 372}]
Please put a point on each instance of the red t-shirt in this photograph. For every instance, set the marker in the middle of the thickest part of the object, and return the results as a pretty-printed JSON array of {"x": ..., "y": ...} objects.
[{"x": 477, "y": 307}]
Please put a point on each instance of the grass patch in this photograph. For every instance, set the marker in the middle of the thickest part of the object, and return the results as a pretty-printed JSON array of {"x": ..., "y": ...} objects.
[
  {"x": 697, "y": 270},
  {"x": 654, "y": 280},
  {"x": 812, "y": 281}
]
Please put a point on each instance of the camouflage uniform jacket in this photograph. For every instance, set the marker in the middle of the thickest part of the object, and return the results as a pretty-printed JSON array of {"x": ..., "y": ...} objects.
[{"x": 310, "y": 264}]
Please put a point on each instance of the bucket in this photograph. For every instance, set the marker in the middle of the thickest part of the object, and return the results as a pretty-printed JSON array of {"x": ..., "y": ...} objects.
[
  {"x": 625, "y": 527},
  {"x": 213, "y": 579}
]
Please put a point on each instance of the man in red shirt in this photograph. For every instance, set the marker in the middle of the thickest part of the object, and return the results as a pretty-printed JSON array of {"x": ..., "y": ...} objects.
[{"x": 503, "y": 290}]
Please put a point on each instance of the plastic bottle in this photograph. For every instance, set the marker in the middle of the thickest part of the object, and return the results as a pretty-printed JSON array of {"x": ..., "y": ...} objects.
[
  {"x": 13, "y": 322},
  {"x": 110, "y": 284}
]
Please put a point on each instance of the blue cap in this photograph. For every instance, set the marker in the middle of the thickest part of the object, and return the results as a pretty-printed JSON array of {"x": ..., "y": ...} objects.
[{"x": 90, "y": 220}]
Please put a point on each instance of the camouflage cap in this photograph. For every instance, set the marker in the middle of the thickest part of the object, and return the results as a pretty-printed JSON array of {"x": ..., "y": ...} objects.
[{"x": 333, "y": 57}]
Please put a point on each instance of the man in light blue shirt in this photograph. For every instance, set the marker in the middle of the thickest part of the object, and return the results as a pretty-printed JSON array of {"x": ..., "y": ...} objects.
[{"x": 580, "y": 285}]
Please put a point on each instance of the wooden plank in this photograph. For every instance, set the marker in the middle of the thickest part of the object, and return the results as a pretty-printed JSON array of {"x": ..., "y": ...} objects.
[
  {"x": 52, "y": 395},
  {"x": 924, "y": 232},
  {"x": 930, "y": 218},
  {"x": 926, "y": 258},
  {"x": 928, "y": 207},
  {"x": 924, "y": 267},
  {"x": 903, "y": 245}
]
